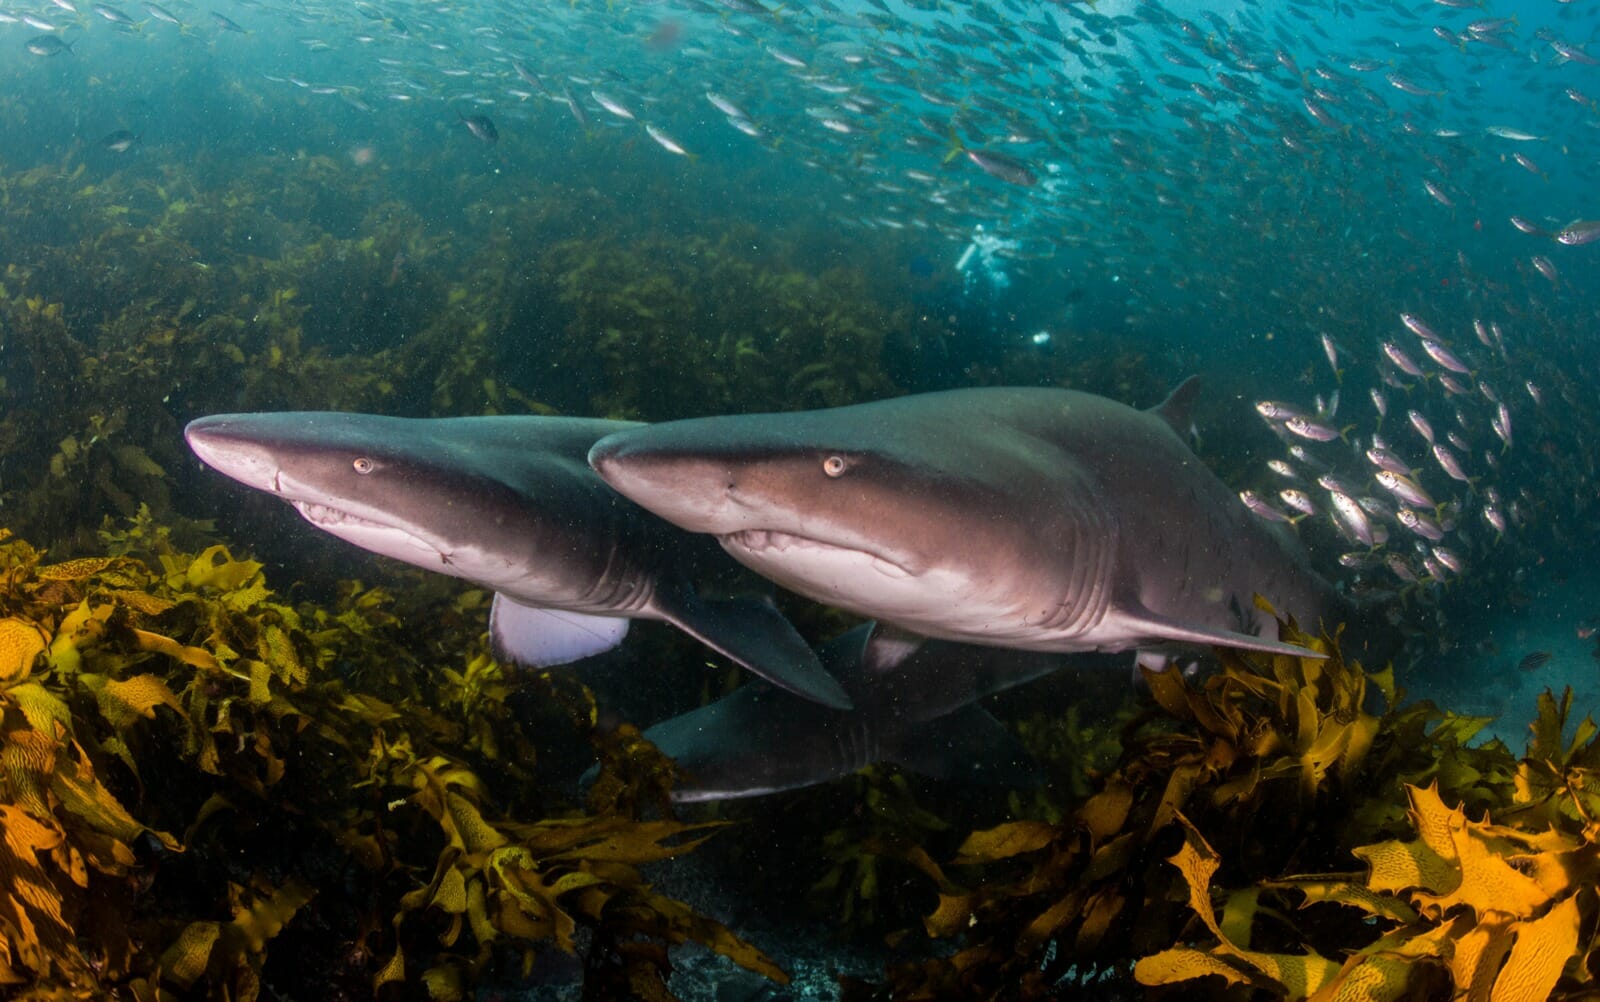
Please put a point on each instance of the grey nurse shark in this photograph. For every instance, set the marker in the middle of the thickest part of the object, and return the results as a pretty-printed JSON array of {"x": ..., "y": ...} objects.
[
  {"x": 1029, "y": 518},
  {"x": 915, "y": 706},
  {"x": 510, "y": 504}
]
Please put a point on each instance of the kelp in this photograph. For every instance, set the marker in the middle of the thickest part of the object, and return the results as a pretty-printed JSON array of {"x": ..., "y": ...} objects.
[
  {"x": 1466, "y": 907},
  {"x": 185, "y": 759},
  {"x": 1288, "y": 764}
]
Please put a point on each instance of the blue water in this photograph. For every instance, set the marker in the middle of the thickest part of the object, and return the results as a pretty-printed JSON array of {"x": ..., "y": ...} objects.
[{"x": 1170, "y": 188}]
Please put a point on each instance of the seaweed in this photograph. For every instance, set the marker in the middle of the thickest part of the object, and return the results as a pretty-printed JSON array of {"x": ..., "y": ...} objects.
[
  {"x": 183, "y": 769},
  {"x": 1290, "y": 764}
]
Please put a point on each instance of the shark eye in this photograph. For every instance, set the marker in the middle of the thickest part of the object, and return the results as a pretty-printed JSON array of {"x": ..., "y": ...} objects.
[
  {"x": 363, "y": 465},
  {"x": 834, "y": 466}
]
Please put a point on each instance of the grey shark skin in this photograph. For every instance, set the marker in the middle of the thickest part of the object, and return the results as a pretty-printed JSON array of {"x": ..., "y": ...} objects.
[
  {"x": 916, "y": 708},
  {"x": 1031, "y": 518},
  {"x": 510, "y": 504}
]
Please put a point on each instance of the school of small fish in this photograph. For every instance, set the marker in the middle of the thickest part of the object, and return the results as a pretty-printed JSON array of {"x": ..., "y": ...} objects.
[{"x": 1401, "y": 197}]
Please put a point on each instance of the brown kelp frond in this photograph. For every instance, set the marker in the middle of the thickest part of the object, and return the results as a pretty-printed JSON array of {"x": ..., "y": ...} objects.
[
  {"x": 1293, "y": 763},
  {"x": 184, "y": 759}
]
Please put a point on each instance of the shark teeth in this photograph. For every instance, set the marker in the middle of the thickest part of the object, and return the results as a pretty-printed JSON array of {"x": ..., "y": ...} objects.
[
  {"x": 321, "y": 514},
  {"x": 773, "y": 540}
]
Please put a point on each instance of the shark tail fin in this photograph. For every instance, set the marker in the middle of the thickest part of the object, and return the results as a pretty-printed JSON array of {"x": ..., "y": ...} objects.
[
  {"x": 756, "y": 635},
  {"x": 543, "y": 638},
  {"x": 1178, "y": 409}
]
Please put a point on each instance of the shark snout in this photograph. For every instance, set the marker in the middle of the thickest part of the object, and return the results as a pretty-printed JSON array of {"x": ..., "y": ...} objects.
[
  {"x": 691, "y": 489},
  {"x": 224, "y": 445}
]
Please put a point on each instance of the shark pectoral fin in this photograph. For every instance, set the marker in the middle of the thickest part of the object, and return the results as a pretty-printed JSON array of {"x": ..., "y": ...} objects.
[
  {"x": 969, "y": 746},
  {"x": 541, "y": 638},
  {"x": 1164, "y": 630},
  {"x": 757, "y": 636}
]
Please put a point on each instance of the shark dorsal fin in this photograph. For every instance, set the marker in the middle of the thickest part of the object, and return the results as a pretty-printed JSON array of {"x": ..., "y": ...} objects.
[{"x": 1178, "y": 409}]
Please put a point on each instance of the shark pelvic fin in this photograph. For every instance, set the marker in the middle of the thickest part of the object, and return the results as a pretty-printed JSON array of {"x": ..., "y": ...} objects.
[
  {"x": 1163, "y": 630},
  {"x": 755, "y": 634},
  {"x": 542, "y": 638}
]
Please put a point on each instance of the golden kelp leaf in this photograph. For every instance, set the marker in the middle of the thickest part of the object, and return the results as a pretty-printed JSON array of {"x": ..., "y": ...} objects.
[
  {"x": 1167, "y": 688},
  {"x": 1048, "y": 922},
  {"x": 1346, "y": 892},
  {"x": 953, "y": 915},
  {"x": 27, "y": 758},
  {"x": 81, "y": 794},
  {"x": 40, "y": 707},
  {"x": 260, "y": 682},
  {"x": 1542, "y": 950},
  {"x": 80, "y": 628},
  {"x": 122, "y": 702},
  {"x": 248, "y": 597},
  {"x": 1239, "y": 915},
  {"x": 1104, "y": 814},
  {"x": 21, "y": 643},
  {"x": 1477, "y": 954},
  {"x": 468, "y": 829},
  {"x": 216, "y": 568},
  {"x": 443, "y": 983},
  {"x": 141, "y": 602},
  {"x": 30, "y": 904},
  {"x": 1487, "y": 882},
  {"x": 1299, "y": 975},
  {"x": 195, "y": 657},
  {"x": 1384, "y": 680},
  {"x": 277, "y": 649},
  {"x": 266, "y": 916},
  {"x": 1183, "y": 964},
  {"x": 451, "y": 894},
  {"x": 77, "y": 570},
  {"x": 189, "y": 955},
  {"x": 393, "y": 970},
  {"x": 1198, "y": 863},
  {"x": 1006, "y": 841},
  {"x": 1395, "y": 866},
  {"x": 618, "y": 839},
  {"x": 1372, "y": 978}
]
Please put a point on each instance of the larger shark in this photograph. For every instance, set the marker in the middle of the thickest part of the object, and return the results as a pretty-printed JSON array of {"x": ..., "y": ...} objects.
[
  {"x": 510, "y": 504},
  {"x": 1029, "y": 518}
]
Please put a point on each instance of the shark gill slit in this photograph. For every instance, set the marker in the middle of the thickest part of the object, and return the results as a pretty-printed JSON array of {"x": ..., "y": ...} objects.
[
  {"x": 616, "y": 588},
  {"x": 1094, "y": 547}
]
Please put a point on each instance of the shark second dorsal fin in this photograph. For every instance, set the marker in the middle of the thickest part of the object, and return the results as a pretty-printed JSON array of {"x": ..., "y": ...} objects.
[
  {"x": 543, "y": 638},
  {"x": 1178, "y": 409}
]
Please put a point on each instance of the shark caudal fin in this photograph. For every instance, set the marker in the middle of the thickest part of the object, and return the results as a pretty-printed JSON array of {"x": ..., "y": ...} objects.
[
  {"x": 544, "y": 638},
  {"x": 921, "y": 715},
  {"x": 756, "y": 635}
]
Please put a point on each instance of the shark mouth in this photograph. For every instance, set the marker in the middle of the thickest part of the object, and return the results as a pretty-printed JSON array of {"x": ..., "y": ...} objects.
[
  {"x": 324, "y": 517},
  {"x": 761, "y": 542},
  {"x": 385, "y": 538}
]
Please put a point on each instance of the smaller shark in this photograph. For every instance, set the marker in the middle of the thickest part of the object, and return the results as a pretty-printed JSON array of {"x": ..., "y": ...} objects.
[
  {"x": 510, "y": 504},
  {"x": 915, "y": 706}
]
